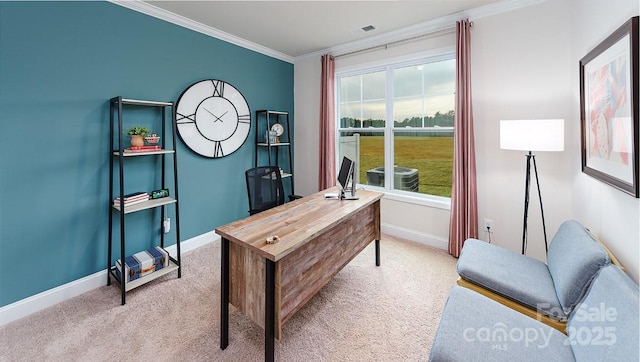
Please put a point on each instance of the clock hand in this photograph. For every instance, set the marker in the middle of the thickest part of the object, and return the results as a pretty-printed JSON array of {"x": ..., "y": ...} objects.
[
  {"x": 209, "y": 112},
  {"x": 219, "y": 118}
]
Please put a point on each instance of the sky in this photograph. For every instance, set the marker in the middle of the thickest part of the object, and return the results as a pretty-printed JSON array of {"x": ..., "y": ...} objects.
[{"x": 419, "y": 90}]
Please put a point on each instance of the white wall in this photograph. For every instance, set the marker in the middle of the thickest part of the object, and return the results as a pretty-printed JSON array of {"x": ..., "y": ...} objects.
[
  {"x": 611, "y": 214},
  {"x": 525, "y": 65},
  {"x": 306, "y": 80},
  {"x": 522, "y": 70}
]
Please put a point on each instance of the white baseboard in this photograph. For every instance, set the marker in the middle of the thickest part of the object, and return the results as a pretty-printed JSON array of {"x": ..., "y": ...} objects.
[
  {"x": 422, "y": 238},
  {"x": 48, "y": 298},
  {"x": 194, "y": 243}
]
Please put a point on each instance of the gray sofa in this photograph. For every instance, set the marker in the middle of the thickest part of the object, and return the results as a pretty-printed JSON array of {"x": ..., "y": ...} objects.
[
  {"x": 603, "y": 326},
  {"x": 548, "y": 292}
]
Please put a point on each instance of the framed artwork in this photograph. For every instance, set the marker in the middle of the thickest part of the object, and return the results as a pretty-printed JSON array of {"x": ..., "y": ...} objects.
[{"x": 609, "y": 109}]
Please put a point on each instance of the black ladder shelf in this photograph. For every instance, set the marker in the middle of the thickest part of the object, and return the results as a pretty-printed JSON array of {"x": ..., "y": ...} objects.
[
  {"x": 167, "y": 156},
  {"x": 265, "y": 119}
]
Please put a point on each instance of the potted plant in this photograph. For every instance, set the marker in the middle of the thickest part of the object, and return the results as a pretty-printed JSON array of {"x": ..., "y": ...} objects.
[{"x": 137, "y": 135}]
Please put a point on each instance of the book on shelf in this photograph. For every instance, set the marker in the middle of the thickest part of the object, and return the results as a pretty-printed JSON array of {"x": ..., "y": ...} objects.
[
  {"x": 143, "y": 198},
  {"x": 128, "y": 203},
  {"x": 142, "y": 148},
  {"x": 133, "y": 196}
]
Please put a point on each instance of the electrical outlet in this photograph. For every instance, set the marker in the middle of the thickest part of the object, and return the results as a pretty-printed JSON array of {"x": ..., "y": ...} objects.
[
  {"x": 488, "y": 224},
  {"x": 166, "y": 225}
]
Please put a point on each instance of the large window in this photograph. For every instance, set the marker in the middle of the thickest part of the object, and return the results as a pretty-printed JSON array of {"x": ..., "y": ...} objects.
[{"x": 396, "y": 122}]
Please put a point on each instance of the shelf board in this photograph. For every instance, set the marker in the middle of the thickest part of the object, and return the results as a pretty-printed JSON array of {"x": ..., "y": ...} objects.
[
  {"x": 272, "y": 112},
  {"x": 145, "y": 153},
  {"x": 147, "y": 278},
  {"x": 146, "y": 205},
  {"x": 138, "y": 102},
  {"x": 263, "y": 144}
]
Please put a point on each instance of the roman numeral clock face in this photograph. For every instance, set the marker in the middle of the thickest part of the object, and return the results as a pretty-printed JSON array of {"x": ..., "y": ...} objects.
[{"x": 213, "y": 118}]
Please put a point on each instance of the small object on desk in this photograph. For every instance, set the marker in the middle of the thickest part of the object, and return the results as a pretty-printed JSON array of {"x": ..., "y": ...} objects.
[
  {"x": 331, "y": 195},
  {"x": 273, "y": 239}
]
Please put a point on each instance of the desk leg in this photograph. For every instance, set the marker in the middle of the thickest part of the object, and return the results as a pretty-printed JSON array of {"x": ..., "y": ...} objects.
[
  {"x": 377, "y": 252},
  {"x": 269, "y": 310},
  {"x": 224, "y": 293}
]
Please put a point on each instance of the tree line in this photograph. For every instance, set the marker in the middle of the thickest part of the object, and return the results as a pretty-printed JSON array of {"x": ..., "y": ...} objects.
[{"x": 437, "y": 120}]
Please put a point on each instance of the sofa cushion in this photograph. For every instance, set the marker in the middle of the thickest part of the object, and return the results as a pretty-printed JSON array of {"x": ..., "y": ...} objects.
[
  {"x": 474, "y": 327},
  {"x": 518, "y": 277},
  {"x": 605, "y": 325},
  {"x": 573, "y": 260}
]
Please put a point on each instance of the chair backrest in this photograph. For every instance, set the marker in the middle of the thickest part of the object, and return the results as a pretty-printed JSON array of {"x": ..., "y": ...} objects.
[
  {"x": 264, "y": 188},
  {"x": 574, "y": 259}
]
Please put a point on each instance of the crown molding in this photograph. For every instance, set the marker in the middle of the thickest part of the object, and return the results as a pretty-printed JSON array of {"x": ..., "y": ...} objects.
[
  {"x": 156, "y": 12},
  {"x": 430, "y": 27},
  {"x": 435, "y": 27}
]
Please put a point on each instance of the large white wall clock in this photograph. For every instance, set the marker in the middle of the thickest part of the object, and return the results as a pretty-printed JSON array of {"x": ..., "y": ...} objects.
[{"x": 213, "y": 118}]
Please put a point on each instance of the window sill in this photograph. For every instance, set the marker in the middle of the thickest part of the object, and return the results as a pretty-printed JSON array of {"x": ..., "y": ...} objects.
[{"x": 437, "y": 202}]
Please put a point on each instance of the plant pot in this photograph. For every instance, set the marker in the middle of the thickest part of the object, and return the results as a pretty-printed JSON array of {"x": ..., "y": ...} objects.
[{"x": 137, "y": 140}]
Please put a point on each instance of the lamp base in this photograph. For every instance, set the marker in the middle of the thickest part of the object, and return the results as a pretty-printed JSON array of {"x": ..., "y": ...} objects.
[{"x": 530, "y": 157}]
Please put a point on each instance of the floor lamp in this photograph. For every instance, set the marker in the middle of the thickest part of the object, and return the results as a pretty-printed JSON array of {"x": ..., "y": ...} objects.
[{"x": 532, "y": 135}]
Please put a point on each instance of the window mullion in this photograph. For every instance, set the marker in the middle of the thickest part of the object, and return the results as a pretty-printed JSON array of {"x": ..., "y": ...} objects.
[
  {"x": 388, "y": 130},
  {"x": 361, "y": 103},
  {"x": 422, "y": 95}
]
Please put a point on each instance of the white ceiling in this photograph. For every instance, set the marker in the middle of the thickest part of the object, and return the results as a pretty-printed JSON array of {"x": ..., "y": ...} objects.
[{"x": 298, "y": 28}]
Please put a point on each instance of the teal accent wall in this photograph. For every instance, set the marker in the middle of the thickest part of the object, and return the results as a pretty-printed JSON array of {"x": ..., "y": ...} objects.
[{"x": 60, "y": 63}]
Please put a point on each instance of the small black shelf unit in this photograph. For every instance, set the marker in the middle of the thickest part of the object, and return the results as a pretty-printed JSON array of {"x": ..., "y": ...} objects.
[
  {"x": 265, "y": 119},
  {"x": 118, "y": 152}
]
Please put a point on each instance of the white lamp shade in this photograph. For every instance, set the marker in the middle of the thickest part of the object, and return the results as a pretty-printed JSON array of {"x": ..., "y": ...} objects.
[{"x": 532, "y": 135}]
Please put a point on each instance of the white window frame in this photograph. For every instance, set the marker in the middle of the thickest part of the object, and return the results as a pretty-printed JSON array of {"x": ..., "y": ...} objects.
[{"x": 389, "y": 129}]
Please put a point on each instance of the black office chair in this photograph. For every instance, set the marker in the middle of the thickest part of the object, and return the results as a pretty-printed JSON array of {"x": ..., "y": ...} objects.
[{"x": 264, "y": 188}]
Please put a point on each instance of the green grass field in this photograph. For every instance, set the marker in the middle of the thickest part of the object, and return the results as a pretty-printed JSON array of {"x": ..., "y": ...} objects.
[{"x": 432, "y": 156}]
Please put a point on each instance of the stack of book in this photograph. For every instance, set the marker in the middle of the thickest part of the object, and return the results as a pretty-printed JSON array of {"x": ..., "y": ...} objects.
[
  {"x": 132, "y": 199},
  {"x": 149, "y": 148}
]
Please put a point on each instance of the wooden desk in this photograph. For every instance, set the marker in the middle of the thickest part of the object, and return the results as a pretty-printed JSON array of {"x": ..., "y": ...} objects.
[{"x": 269, "y": 282}]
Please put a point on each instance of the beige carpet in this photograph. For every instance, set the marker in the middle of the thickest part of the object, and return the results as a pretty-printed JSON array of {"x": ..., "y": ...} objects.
[{"x": 366, "y": 313}]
